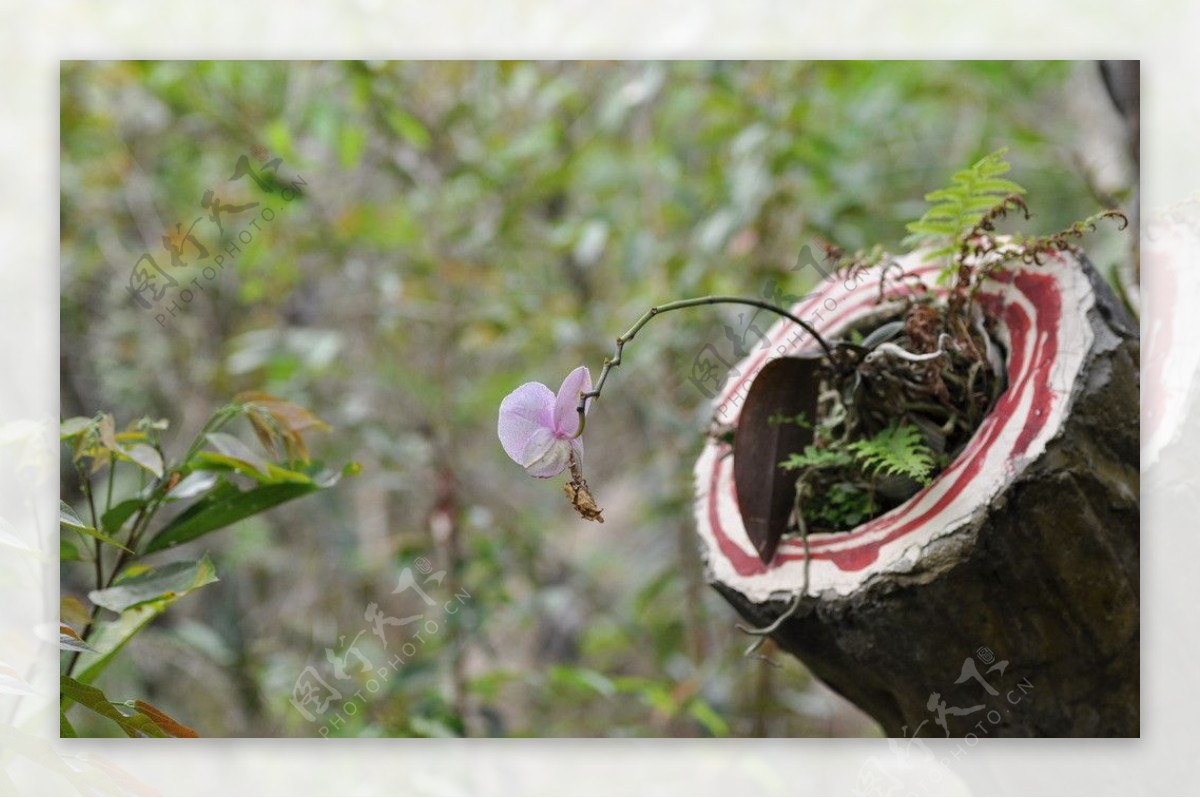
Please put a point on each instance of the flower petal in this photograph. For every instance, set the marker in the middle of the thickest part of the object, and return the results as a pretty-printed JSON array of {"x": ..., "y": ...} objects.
[
  {"x": 546, "y": 454},
  {"x": 523, "y": 413},
  {"x": 566, "y": 404}
]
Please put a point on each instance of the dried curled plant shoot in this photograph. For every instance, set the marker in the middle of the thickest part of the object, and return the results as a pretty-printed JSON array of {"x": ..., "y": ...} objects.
[
  {"x": 1065, "y": 240},
  {"x": 579, "y": 495}
]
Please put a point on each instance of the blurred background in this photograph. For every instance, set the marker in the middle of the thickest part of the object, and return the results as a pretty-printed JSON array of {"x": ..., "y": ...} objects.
[{"x": 439, "y": 233}]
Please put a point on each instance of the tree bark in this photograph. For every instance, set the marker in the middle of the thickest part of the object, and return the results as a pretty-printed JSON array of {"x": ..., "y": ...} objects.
[{"x": 1003, "y": 599}]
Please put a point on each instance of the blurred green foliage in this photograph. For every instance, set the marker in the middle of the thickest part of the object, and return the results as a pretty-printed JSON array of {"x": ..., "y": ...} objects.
[
  {"x": 456, "y": 229},
  {"x": 218, "y": 482}
]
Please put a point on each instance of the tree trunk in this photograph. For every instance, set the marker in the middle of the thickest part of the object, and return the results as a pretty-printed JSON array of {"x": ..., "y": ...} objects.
[{"x": 1001, "y": 600}]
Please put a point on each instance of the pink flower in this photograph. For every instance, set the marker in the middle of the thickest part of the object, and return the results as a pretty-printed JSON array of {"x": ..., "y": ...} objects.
[{"x": 537, "y": 429}]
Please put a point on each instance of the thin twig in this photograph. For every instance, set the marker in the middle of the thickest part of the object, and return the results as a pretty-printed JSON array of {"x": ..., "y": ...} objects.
[{"x": 86, "y": 485}]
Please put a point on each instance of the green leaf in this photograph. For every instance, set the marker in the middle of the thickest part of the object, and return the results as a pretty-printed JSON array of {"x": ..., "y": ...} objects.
[
  {"x": 67, "y": 518},
  {"x": 73, "y": 426},
  {"x": 933, "y": 254},
  {"x": 192, "y": 485},
  {"x": 233, "y": 448},
  {"x": 224, "y": 506},
  {"x": 430, "y": 727},
  {"x": 812, "y": 457},
  {"x": 582, "y": 678},
  {"x": 65, "y": 729},
  {"x": 707, "y": 717},
  {"x": 168, "y": 582},
  {"x": 136, "y": 725},
  {"x": 940, "y": 195},
  {"x": 998, "y": 185},
  {"x": 67, "y": 552},
  {"x": 409, "y": 128},
  {"x": 351, "y": 142},
  {"x": 111, "y": 637},
  {"x": 268, "y": 474},
  {"x": 925, "y": 228},
  {"x": 115, "y": 518},
  {"x": 488, "y": 685},
  {"x": 145, "y": 456}
]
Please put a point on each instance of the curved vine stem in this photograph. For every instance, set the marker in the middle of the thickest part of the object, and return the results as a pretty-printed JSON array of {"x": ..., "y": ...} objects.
[
  {"x": 763, "y": 632},
  {"x": 615, "y": 360}
]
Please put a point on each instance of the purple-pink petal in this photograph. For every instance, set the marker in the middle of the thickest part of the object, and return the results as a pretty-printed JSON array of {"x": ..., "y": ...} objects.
[
  {"x": 546, "y": 455},
  {"x": 566, "y": 403},
  {"x": 523, "y": 412}
]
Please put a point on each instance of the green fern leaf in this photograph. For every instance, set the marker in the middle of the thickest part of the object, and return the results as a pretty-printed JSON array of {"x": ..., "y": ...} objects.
[
  {"x": 812, "y": 457},
  {"x": 895, "y": 450},
  {"x": 956, "y": 210}
]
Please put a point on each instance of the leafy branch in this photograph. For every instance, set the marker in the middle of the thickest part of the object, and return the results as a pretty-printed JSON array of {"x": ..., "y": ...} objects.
[{"x": 222, "y": 480}]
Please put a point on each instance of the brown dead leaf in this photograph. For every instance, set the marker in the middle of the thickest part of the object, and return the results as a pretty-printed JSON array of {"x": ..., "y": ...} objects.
[{"x": 163, "y": 720}]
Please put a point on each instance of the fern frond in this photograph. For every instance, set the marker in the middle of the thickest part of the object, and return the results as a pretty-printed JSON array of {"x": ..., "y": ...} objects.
[
  {"x": 956, "y": 210},
  {"x": 800, "y": 420},
  {"x": 812, "y": 457},
  {"x": 895, "y": 450}
]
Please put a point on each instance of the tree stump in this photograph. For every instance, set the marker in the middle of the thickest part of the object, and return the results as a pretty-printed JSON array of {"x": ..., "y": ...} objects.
[{"x": 1002, "y": 599}]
